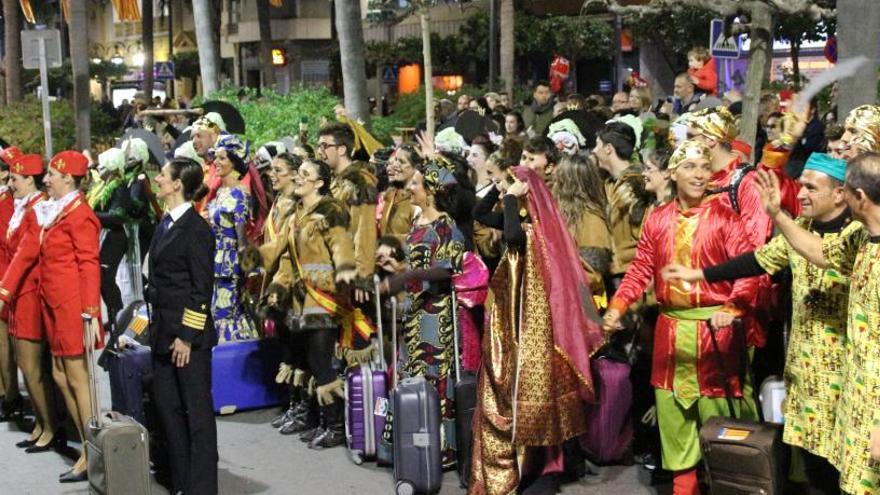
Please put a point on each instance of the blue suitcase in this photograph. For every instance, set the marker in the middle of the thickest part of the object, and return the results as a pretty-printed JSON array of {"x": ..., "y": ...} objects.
[
  {"x": 243, "y": 375},
  {"x": 129, "y": 367}
]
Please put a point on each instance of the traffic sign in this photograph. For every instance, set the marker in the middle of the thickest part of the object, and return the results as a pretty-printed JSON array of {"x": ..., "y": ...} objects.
[
  {"x": 389, "y": 75},
  {"x": 163, "y": 71},
  {"x": 30, "y": 48},
  {"x": 721, "y": 46}
]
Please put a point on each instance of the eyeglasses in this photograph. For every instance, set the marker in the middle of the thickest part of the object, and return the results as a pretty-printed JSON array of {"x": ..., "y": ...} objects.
[{"x": 324, "y": 146}]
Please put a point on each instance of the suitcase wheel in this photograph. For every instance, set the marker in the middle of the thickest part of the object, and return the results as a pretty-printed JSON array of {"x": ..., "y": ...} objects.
[{"x": 405, "y": 488}]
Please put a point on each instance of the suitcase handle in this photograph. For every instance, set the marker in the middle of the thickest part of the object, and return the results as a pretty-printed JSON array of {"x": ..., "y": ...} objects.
[
  {"x": 383, "y": 365},
  {"x": 456, "y": 338},
  {"x": 89, "y": 346},
  {"x": 394, "y": 376}
]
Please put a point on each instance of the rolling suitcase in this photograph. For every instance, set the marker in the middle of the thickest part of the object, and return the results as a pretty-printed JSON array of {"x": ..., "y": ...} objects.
[
  {"x": 366, "y": 399},
  {"x": 465, "y": 403},
  {"x": 129, "y": 369},
  {"x": 741, "y": 456},
  {"x": 384, "y": 450},
  {"x": 243, "y": 375},
  {"x": 610, "y": 430},
  {"x": 117, "y": 446},
  {"x": 418, "y": 467}
]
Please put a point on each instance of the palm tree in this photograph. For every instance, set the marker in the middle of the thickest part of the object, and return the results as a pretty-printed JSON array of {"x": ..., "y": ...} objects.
[
  {"x": 12, "y": 27},
  {"x": 429, "y": 68},
  {"x": 147, "y": 29},
  {"x": 507, "y": 29},
  {"x": 351, "y": 52},
  {"x": 266, "y": 43},
  {"x": 79, "y": 60},
  {"x": 208, "y": 54}
]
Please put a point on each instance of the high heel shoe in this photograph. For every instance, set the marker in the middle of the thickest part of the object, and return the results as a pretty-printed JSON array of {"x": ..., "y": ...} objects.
[
  {"x": 59, "y": 439},
  {"x": 10, "y": 410},
  {"x": 25, "y": 444},
  {"x": 72, "y": 477}
]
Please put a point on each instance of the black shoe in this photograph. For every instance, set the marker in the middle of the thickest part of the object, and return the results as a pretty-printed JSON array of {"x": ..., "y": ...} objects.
[
  {"x": 298, "y": 425},
  {"x": 283, "y": 418},
  {"x": 58, "y": 440},
  {"x": 71, "y": 477},
  {"x": 25, "y": 444},
  {"x": 333, "y": 436},
  {"x": 12, "y": 410},
  {"x": 310, "y": 435}
]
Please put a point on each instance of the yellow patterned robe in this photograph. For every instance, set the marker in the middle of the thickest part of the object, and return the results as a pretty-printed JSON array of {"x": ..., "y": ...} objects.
[
  {"x": 814, "y": 361},
  {"x": 527, "y": 394},
  {"x": 858, "y": 410}
]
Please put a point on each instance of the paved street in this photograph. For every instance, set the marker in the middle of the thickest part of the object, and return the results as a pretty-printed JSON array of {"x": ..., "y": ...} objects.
[{"x": 256, "y": 459}]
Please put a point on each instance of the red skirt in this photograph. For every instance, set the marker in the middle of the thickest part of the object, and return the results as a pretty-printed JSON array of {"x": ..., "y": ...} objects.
[
  {"x": 64, "y": 328},
  {"x": 26, "y": 320}
]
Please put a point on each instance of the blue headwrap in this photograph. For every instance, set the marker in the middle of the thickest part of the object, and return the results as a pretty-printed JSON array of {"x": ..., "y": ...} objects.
[
  {"x": 832, "y": 167},
  {"x": 236, "y": 150}
]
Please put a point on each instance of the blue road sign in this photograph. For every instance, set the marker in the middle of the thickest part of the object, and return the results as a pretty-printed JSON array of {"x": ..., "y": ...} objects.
[
  {"x": 721, "y": 46},
  {"x": 389, "y": 75},
  {"x": 164, "y": 71}
]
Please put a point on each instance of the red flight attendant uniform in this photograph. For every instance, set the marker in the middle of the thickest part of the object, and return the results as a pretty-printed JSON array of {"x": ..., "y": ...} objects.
[
  {"x": 7, "y": 204},
  {"x": 67, "y": 253},
  {"x": 23, "y": 299}
]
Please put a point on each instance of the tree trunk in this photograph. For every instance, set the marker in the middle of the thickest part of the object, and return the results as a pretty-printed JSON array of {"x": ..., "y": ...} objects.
[
  {"x": 12, "y": 27},
  {"x": 79, "y": 60},
  {"x": 507, "y": 45},
  {"x": 147, "y": 30},
  {"x": 794, "y": 52},
  {"x": 351, "y": 54},
  {"x": 266, "y": 43},
  {"x": 429, "y": 72},
  {"x": 759, "y": 57},
  {"x": 858, "y": 28},
  {"x": 208, "y": 54}
]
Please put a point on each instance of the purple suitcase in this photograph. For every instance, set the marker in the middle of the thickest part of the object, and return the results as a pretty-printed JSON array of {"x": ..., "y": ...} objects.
[
  {"x": 610, "y": 430},
  {"x": 129, "y": 367},
  {"x": 366, "y": 400}
]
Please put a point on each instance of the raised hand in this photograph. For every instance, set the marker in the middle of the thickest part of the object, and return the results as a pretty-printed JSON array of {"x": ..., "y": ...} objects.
[
  {"x": 768, "y": 188},
  {"x": 426, "y": 145}
]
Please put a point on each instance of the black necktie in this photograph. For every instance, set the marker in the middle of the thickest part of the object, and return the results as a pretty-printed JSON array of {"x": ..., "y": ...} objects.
[{"x": 164, "y": 227}]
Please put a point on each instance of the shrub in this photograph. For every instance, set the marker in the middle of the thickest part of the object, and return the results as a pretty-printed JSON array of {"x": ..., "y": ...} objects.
[{"x": 21, "y": 124}]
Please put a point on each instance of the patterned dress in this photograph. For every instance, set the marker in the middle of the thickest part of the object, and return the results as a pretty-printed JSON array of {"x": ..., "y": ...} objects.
[
  {"x": 857, "y": 411},
  {"x": 427, "y": 332},
  {"x": 228, "y": 209},
  {"x": 814, "y": 361}
]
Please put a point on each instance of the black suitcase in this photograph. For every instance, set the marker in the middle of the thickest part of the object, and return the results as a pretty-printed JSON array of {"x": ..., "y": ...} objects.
[
  {"x": 384, "y": 450},
  {"x": 741, "y": 456},
  {"x": 130, "y": 369},
  {"x": 465, "y": 404},
  {"x": 418, "y": 467}
]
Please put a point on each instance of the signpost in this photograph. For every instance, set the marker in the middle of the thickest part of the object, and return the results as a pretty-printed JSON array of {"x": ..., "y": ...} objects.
[
  {"x": 41, "y": 49},
  {"x": 721, "y": 46},
  {"x": 164, "y": 71}
]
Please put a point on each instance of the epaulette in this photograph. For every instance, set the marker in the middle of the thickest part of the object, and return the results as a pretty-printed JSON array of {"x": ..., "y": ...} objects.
[
  {"x": 358, "y": 184},
  {"x": 334, "y": 213}
]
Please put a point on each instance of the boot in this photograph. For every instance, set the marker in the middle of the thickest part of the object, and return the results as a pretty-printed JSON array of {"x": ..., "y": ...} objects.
[
  {"x": 290, "y": 412},
  {"x": 333, "y": 434},
  {"x": 307, "y": 420}
]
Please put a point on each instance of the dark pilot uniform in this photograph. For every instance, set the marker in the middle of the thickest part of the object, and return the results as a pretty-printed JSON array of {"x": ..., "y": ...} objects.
[{"x": 180, "y": 285}]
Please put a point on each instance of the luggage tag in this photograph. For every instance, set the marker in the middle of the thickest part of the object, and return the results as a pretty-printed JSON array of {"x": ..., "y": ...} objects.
[
  {"x": 733, "y": 434},
  {"x": 381, "y": 407}
]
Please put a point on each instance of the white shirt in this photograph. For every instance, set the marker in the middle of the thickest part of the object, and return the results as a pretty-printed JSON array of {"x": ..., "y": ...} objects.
[
  {"x": 178, "y": 212},
  {"x": 18, "y": 214},
  {"x": 48, "y": 210}
]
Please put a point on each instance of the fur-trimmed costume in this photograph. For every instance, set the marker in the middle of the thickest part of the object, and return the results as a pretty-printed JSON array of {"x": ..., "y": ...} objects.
[{"x": 355, "y": 187}]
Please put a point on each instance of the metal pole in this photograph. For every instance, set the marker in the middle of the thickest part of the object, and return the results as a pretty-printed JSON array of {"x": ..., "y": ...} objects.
[
  {"x": 618, "y": 54},
  {"x": 493, "y": 44},
  {"x": 44, "y": 96},
  {"x": 170, "y": 45}
]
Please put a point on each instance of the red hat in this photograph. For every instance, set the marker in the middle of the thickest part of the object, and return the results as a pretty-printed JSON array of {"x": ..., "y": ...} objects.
[
  {"x": 31, "y": 164},
  {"x": 741, "y": 146},
  {"x": 70, "y": 162},
  {"x": 10, "y": 154}
]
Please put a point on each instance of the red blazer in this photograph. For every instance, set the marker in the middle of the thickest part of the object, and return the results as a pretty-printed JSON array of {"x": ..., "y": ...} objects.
[
  {"x": 7, "y": 206},
  {"x": 69, "y": 265},
  {"x": 25, "y": 321}
]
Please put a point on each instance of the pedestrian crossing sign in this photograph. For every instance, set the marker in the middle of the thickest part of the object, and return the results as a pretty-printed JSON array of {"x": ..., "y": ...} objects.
[{"x": 721, "y": 46}]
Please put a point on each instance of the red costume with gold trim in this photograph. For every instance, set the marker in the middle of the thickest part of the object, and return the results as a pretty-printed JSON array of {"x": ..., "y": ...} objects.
[
  {"x": 70, "y": 274},
  {"x": 26, "y": 321},
  {"x": 702, "y": 236}
]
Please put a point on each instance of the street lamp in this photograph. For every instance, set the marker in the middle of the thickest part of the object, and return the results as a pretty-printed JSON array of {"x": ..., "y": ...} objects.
[{"x": 138, "y": 59}]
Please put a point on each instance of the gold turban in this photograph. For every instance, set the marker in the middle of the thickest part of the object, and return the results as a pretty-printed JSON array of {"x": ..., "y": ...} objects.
[
  {"x": 716, "y": 123},
  {"x": 864, "y": 123},
  {"x": 688, "y": 151}
]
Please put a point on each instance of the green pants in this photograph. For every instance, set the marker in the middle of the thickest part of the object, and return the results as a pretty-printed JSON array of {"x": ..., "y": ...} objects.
[{"x": 680, "y": 427}]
